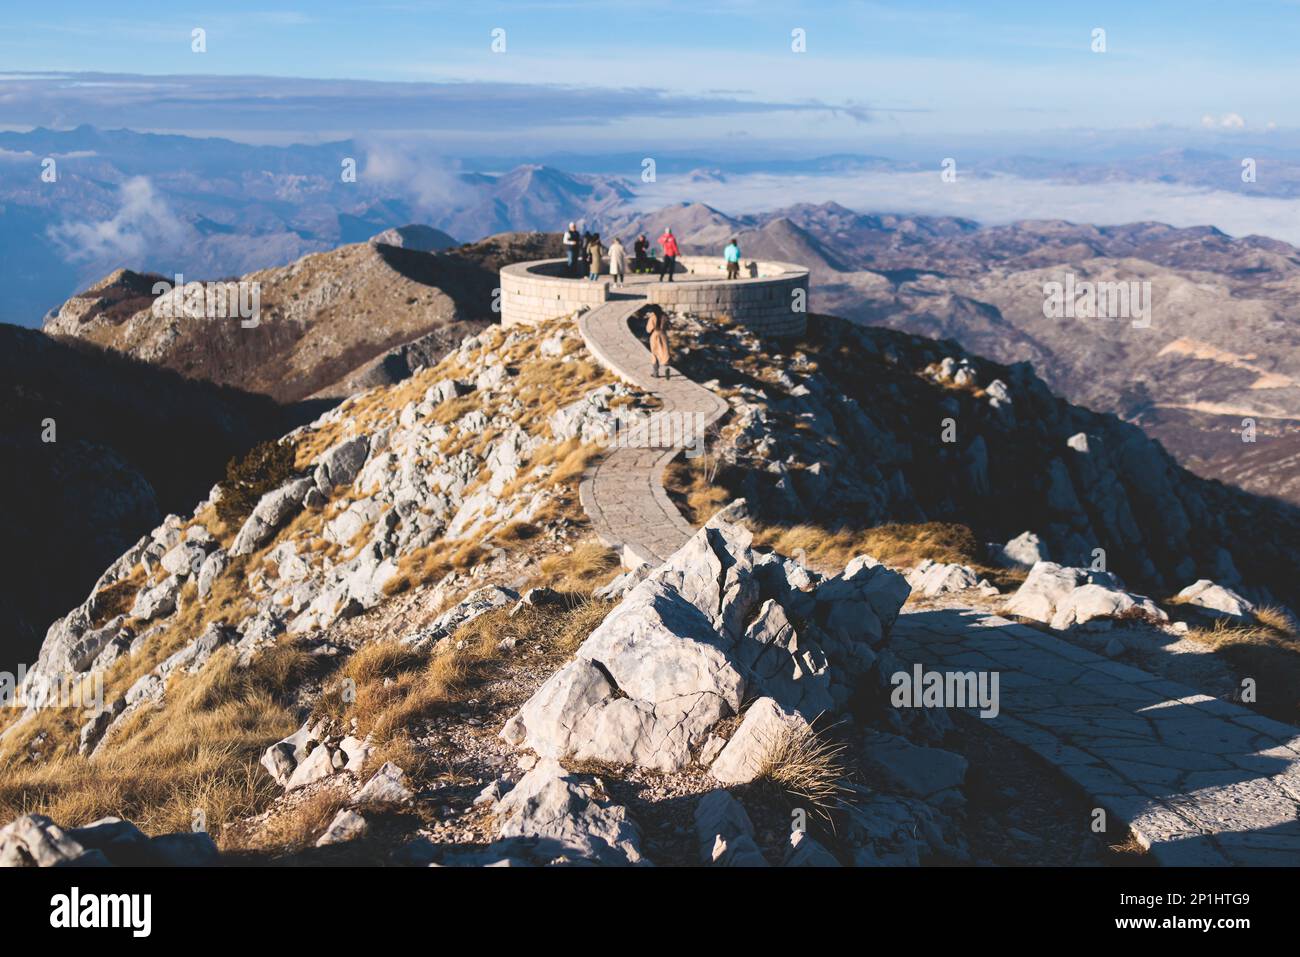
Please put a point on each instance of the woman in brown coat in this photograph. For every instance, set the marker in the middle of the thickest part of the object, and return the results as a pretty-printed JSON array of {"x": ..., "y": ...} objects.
[{"x": 657, "y": 325}]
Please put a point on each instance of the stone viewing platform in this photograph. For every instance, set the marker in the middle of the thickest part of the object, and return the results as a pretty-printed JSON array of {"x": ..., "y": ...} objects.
[{"x": 771, "y": 298}]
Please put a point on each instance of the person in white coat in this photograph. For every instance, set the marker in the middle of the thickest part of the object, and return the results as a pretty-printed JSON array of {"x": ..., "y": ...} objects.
[{"x": 617, "y": 260}]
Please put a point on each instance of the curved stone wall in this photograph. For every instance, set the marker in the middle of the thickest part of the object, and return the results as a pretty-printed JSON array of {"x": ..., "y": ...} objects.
[{"x": 770, "y": 297}]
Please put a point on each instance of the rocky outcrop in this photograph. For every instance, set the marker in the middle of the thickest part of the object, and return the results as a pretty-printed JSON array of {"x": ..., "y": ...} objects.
[
  {"x": 553, "y": 817},
  {"x": 931, "y": 578},
  {"x": 915, "y": 430},
  {"x": 716, "y": 622},
  {"x": 313, "y": 753},
  {"x": 270, "y": 512},
  {"x": 1068, "y": 597},
  {"x": 1215, "y": 600},
  {"x": 35, "y": 841},
  {"x": 1024, "y": 551}
]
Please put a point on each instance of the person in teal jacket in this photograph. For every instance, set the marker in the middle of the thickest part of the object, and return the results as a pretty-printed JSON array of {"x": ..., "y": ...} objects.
[{"x": 732, "y": 255}]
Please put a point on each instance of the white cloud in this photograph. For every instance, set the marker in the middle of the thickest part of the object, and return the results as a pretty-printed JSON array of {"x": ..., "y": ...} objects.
[
  {"x": 992, "y": 200},
  {"x": 142, "y": 223},
  {"x": 1228, "y": 121},
  {"x": 406, "y": 169}
]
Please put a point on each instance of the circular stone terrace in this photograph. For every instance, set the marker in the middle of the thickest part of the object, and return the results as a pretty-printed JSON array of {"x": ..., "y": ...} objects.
[{"x": 770, "y": 298}]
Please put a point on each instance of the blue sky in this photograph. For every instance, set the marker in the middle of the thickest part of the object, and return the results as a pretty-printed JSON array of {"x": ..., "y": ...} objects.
[{"x": 713, "y": 72}]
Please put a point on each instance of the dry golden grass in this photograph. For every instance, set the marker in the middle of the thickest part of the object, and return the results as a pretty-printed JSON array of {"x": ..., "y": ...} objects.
[
  {"x": 1265, "y": 652},
  {"x": 294, "y": 830},
  {"x": 588, "y": 566},
  {"x": 902, "y": 545},
  {"x": 692, "y": 481},
  {"x": 197, "y": 754},
  {"x": 394, "y": 688},
  {"x": 117, "y": 598},
  {"x": 807, "y": 765},
  {"x": 432, "y": 562},
  {"x": 1276, "y": 618}
]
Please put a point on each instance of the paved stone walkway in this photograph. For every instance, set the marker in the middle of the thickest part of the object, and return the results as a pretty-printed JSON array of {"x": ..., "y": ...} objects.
[
  {"x": 1200, "y": 780},
  {"x": 623, "y": 494}
]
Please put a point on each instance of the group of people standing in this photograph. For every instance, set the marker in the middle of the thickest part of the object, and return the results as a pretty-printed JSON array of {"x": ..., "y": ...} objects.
[{"x": 584, "y": 254}]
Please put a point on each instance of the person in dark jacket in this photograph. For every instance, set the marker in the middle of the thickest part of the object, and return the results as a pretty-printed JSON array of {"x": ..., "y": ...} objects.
[
  {"x": 572, "y": 239},
  {"x": 641, "y": 254}
]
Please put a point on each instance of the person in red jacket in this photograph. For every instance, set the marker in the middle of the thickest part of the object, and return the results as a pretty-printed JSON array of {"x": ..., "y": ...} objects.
[{"x": 668, "y": 243}]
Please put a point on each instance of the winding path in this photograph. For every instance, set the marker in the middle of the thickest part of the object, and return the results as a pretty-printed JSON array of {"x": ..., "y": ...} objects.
[
  {"x": 1199, "y": 780},
  {"x": 623, "y": 494}
]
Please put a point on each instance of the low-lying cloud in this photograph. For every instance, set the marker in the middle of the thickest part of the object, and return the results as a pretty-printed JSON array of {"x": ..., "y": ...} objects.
[
  {"x": 142, "y": 224},
  {"x": 991, "y": 199}
]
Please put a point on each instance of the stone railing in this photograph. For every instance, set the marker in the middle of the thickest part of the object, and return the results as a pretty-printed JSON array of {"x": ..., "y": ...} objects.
[{"x": 770, "y": 297}]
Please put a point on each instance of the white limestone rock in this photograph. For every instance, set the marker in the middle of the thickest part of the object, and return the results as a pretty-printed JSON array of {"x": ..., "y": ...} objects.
[
  {"x": 679, "y": 651},
  {"x": 347, "y": 825},
  {"x": 385, "y": 787},
  {"x": 725, "y": 832},
  {"x": 567, "y": 817},
  {"x": 805, "y": 851},
  {"x": 1215, "y": 600},
  {"x": 1065, "y": 597},
  {"x": 1024, "y": 551},
  {"x": 34, "y": 840},
  {"x": 270, "y": 512},
  {"x": 931, "y": 578},
  {"x": 766, "y": 723}
]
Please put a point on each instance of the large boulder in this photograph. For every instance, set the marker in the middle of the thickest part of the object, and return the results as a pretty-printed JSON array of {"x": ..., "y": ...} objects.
[
  {"x": 158, "y": 601},
  {"x": 1067, "y": 597},
  {"x": 1024, "y": 551},
  {"x": 931, "y": 578},
  {"x": 1215, "y": 600},
  {"x": 340, "y": 465},
  {"x": 270, "y": 512},
  {"x": 682, "y": 649},
  {"x": 33, "y": 840},
  {"x": 566, "y": 818},
  {"x": 764, "y": 729}
]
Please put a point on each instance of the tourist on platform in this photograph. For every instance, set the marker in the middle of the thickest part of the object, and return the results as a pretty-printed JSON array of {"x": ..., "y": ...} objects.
[
  {"x": 668, "y": 243},
  {"x": 617, "y": 260},
  {"x": 732, "y": 255},
  {"x": 593, "y": 257},
  {"x": 641, "y": 254},
  {"x": 571, "y": 242}
]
